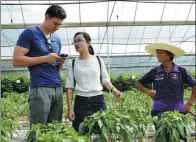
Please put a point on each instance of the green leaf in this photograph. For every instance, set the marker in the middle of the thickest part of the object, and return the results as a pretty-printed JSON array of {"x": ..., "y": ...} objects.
[
  {"x": 175, "y": 134},
  {"x": 105, "y": 132},
  {"x": 180, "y": 129},
  {"x": 100, "y": 123}
]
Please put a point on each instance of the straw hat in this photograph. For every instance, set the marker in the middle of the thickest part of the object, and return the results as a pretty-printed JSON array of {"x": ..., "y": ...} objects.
[{"x": 151, "y": 49}]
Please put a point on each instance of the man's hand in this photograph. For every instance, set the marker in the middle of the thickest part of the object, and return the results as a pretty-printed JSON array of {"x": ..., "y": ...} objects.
[
  {"x": 188, "y": 106},
  {"x": 152, "y": 94},
  {"x": 52, "y": 58},
  {"x": 61, "y": 61}
]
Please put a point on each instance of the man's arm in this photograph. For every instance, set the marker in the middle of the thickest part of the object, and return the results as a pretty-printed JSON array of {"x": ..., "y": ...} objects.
[
  {"x": 147, "y": 78},
  {"x": 145, "y": 90},
  {"x": 20, "y": 60},
  {"x": 188, "y": 79},
  {"x": 191, "y": 100}
]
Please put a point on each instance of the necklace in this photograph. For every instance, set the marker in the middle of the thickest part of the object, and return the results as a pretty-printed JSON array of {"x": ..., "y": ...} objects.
[{"x": 48, "y": 36}]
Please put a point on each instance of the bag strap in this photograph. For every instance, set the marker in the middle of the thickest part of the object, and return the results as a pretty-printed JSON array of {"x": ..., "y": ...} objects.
[
  {"x": 73, "y": 64},
  {"x": 98, "y": 58}
]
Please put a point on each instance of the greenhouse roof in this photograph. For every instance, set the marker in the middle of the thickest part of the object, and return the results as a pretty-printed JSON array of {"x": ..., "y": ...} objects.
[{"x": 117, "y": 28}]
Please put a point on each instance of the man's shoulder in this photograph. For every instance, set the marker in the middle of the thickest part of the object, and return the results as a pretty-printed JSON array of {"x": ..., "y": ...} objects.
[
  {"x": 33, "y": 28},
  {"x": 180, "y": 67},
  {"x": 154, "y": 69},
  {"x": 30, "y": 30}
]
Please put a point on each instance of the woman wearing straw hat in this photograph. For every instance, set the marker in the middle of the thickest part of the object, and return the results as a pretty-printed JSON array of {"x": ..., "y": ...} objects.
[{"x": 168, "y": 80}]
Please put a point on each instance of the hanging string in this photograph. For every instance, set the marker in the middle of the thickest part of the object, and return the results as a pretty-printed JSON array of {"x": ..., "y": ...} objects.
[
  {"x": 117, "y": 12},
  {"x": 10, "y": 13}
]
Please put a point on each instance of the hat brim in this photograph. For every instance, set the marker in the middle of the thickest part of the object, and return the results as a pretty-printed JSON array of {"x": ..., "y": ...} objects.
[{"x": 151, "y": 49}]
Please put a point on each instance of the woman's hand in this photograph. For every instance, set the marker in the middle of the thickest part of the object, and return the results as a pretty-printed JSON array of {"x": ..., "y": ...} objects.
[
  {"x": 71, "y": 115},
  {"x": 117, "y": 93}
]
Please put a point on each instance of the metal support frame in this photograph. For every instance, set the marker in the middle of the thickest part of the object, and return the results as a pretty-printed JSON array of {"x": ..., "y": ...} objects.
[
  {"x": 128, "y": 67},
  {"x": 103, "y": 24},
  {"x": 114, "y": 55}
]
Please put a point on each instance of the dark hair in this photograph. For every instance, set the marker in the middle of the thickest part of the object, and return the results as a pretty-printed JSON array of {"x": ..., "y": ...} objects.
[
  {"x": 87, "y": 38},
  {"x": 171, "y": 55},
  {"x": 56, "y": 11}
]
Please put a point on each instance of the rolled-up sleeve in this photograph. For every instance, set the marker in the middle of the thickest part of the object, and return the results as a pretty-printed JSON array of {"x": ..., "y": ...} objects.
[
  {"x": 189, "y": 79},
  {"x": 69, "y": 77},
  {"x": 104, "y": 73}
]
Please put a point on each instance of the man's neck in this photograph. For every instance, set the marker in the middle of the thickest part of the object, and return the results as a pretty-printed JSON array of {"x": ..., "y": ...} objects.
[
  {"x": 167, "y": 66},
  {"x": 44, "y": 30}
]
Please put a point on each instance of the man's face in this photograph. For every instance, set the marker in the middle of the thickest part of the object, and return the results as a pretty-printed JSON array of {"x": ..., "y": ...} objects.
[
  {"x": 162, "y": 55},
  {"x": 53, "y": 24}
]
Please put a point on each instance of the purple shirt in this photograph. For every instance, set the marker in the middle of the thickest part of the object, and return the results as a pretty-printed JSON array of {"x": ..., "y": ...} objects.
[{"x": 169, "y": 87}]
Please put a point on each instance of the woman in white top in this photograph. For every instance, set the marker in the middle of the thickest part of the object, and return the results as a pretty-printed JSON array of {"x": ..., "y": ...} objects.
[{"x": 88, "y": 85}]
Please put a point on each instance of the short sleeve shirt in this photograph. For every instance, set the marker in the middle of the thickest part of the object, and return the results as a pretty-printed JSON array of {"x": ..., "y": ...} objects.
[
  {"x": 169, "y": 87},
  {"x": 45, "y": 74}
]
